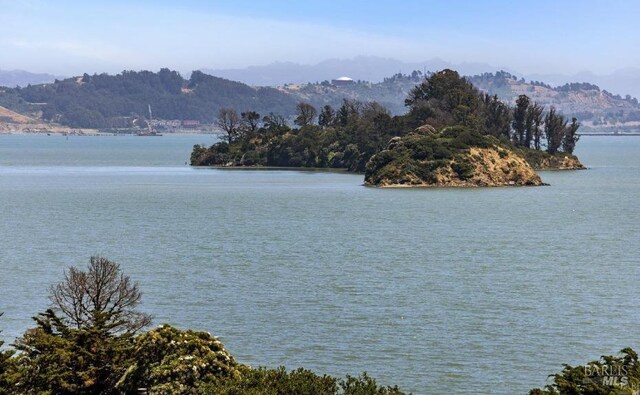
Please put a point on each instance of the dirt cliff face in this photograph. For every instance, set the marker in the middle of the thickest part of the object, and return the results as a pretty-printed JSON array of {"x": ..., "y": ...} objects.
[
  {"x": 488, "y": 165},
  {"x": 496, "y": 166}
]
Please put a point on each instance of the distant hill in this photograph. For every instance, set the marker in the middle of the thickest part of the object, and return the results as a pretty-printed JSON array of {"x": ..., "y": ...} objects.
[
  {"x": 9, "y": 116},
  {"x": 375, "y": 69},
  {"x": 116, "y": 101},
  {"x": 390, "y": 93},
  {"x": 13, "y": 78},
  {"x": 624, "y": 81},
  {"x": 598, "y": 110},
  {"x": 365, "y": 68},
  {"x": 113, "y": 101}
]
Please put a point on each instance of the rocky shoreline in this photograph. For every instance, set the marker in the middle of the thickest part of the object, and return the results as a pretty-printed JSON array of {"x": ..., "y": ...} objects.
[{"x": 426, "y": 158}]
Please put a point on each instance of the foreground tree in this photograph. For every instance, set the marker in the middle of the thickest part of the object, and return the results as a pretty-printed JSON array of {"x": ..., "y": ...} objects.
[
  {"x": 5, "y": 368},
  {"x": 173, "y": 361},
  {"x": 88, "y": 344},
  {"x": 301, "y": 381},
  {"x": 610, "y": 375},
  {"x": 100, "y": 297},
  {"x": 84, "y": 344}
]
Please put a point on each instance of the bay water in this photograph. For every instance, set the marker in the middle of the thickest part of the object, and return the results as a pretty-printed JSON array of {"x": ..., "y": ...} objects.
[{"x": 437, "y": 290}]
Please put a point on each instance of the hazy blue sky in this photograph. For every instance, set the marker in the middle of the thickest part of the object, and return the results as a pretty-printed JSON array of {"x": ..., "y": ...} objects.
[{"x": 71, "y": 37}]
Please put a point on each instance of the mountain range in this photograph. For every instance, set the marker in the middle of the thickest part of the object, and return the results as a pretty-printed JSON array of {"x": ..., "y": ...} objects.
[
  {"x": 375, "y": 69},
  {"x": 13, "y": 78},
  {"x": 364, "y": 68},
  {"x": 103, "y": 101}
]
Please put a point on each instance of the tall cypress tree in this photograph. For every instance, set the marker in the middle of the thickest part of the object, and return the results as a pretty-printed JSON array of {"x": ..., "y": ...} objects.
[{"x": 519, "y": 119}]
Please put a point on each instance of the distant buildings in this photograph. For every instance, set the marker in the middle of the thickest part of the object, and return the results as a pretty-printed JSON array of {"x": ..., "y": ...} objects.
[
  {"x": 342, "y": 81},
  {"x": 165, "y": 124},
  {"x": 190, "y": 124},
  {"x": 159, "y": 124}
]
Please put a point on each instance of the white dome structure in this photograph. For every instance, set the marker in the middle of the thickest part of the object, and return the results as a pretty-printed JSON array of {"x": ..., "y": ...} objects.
[{"x": 342, "y": 81}]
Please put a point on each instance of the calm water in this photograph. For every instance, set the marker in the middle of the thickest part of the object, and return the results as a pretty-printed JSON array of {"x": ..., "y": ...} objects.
[{"x": 439, "y": 291}]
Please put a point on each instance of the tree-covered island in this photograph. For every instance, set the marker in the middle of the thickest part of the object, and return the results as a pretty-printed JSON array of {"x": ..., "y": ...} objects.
[{"x": 451, "y": 135}]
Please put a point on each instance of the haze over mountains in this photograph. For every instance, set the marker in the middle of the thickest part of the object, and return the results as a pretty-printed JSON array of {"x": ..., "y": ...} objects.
[
  {"x": 103, "y": 101},
  {"x": 375, "y": 69},
  {"x": 369, "y": 68},
  {"x": 13, "y": 78},
  {"x": 365, "y": 68}
]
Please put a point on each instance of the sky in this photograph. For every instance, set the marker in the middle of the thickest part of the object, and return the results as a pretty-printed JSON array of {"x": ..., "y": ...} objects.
[{"x": 73, "y": 37}]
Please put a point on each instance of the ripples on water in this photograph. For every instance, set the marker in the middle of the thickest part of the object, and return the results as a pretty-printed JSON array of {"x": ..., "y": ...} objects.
[{"x": 439, "y": 291}]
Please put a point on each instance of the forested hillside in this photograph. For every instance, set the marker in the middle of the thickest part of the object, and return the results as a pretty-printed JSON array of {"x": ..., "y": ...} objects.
[
  {"x": 109, "y": 101},
  {"x": 597, "y": 110},
  {"x": 116, "y": 101}
]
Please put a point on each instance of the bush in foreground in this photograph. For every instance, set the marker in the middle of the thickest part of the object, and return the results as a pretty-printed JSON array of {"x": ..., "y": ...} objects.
[
  {"x": 609, "y": 375},
  {"x": 90, "y": 343}
]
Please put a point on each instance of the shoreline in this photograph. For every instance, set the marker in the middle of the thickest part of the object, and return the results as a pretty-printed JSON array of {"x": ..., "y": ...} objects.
[{"x": 278, "y": 168}]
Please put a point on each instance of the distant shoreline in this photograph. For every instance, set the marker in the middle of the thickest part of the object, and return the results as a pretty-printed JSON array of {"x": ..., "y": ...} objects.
[
  {"x": 91, "y": 132},
  {"x": 610, "y": 134}
]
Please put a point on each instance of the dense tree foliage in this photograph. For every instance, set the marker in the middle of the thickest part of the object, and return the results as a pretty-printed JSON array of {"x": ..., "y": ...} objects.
[
  {"x": 571, "y": 136},
  {"x": 82, "y": 344},
  {"x": 610, "y": 375},
  {"x": 305, "y": 114},
  {"x": 89, "y": 343},
  {"x": 520, "y": 120},
  {"x": 347, "y": 137},
  {"x": 56, "y": 358},
  {"x": 111, "y": 101},
  {"x": 555, "y": 128},
  {"x": 5, "y": 368},
  {"x": 168, "y": 360}
]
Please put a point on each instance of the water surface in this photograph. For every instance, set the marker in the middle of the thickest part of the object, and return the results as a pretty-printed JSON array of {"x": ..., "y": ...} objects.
[{"x": 438, "y": 291}]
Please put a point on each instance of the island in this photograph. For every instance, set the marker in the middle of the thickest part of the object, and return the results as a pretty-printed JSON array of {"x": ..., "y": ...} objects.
[
  {"x": 455, "y": 157},
  {"x": 452, "y": 135}
]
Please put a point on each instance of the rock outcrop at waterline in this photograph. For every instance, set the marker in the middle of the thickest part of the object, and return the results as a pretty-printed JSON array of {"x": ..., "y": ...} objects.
[
  {"x": 455, "y": 157},
  {"x": 540, "y": 160}
]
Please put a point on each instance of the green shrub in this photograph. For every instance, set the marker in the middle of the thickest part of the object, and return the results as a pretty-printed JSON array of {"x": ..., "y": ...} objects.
[
  {"x": 463, "y": 169},
  {"x": 609, "y": 375},
  {"x": 173, "y": 361},
  {"x": 442, "y": 152}
]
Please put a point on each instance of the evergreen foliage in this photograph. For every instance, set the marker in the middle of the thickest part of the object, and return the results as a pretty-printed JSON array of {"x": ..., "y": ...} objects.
[
  {"x": 610, "y": 375},
  {"x": 347, "y": 137},
  {"x": 84, "y": 351},
  {"x": 104, "y": 101}
]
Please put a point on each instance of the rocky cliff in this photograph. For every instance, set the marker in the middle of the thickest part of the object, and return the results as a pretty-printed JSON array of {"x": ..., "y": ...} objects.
[{"x": 454, "y": 158}]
